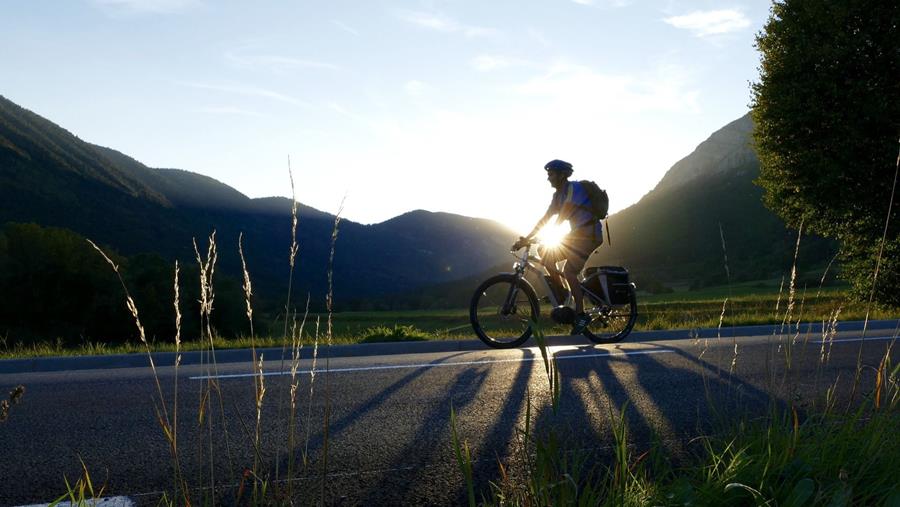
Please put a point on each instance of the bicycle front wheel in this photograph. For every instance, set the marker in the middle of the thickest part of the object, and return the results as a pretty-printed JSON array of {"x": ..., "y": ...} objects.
[
  {"x": 613, "y": 323},
  {"x": 502, "y": 310}
]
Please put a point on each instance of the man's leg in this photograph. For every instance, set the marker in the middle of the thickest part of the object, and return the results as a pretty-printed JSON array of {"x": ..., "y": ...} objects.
[
  {"x": 557, "y": 278},
  {"x": 573, "y": 266},
  {"x": 578, "y": 294}
]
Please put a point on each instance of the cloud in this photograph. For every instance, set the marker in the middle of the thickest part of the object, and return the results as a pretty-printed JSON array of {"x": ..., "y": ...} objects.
[
  {"x": 345, "y": 27},
  {"x": 565, "y": 86},
  {"x": 605, "y": 3},
  {"x": 229, "y": 110},
  {"x": 444, "y": 24},
  {"x": 248, "y": 91},
  {"x": 487, "y": 63},
  {"x": 539, "y": 37},
  {"x": 276, "y": 63},
  {"x": 705, "y": 23},
  {"x": 416, "y": 88},
  {"x": 148, "y": 6}
]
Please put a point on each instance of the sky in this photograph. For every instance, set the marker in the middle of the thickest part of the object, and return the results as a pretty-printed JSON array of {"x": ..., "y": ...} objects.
[{"x": 443, "y": 105}]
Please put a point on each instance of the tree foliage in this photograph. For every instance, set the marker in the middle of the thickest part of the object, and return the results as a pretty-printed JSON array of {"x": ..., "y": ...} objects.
[
  {"x": 827, "y": 115},
  {"x": 55, "y": 286}
]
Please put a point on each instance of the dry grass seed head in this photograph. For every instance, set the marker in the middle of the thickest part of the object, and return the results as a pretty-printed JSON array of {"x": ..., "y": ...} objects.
[
  {"x": 129, "y": 303},
  {"x": 15, "y": 396},
  {"x": 177, "y": 318},
  {"x": 248, "y": 288}
]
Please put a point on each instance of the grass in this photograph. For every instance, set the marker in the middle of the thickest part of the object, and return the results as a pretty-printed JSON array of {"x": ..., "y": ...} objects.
[
  {"x": 828, "y": 459},
  {"x": 816, "y": 455},
  {"x": 751, "y": 305}
]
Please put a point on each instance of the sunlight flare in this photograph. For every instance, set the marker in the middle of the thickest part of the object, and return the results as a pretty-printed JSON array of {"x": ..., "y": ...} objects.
[{"x": 553, "y": 233}]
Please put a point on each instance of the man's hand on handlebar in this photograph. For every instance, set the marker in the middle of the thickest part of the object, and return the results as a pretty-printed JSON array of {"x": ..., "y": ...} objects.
[{"x": 521, "y": 243}]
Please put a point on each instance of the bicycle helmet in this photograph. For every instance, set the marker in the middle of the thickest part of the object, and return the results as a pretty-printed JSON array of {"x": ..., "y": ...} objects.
[{"x": 559, "y": 165}]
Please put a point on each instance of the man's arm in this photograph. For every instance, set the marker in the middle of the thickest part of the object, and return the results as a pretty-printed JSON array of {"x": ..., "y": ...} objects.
[{"x": 537, "y": 228}]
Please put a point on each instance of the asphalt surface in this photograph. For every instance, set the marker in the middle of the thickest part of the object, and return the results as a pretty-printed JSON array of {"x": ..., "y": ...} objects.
[{"x": 388, "y": 413}]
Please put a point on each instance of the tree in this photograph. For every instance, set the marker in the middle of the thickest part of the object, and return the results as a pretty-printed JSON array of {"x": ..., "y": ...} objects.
[{"x": 827, "y": 116}]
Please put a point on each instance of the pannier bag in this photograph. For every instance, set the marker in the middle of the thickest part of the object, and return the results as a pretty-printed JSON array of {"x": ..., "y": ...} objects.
[{"x": 610, "y": 282}]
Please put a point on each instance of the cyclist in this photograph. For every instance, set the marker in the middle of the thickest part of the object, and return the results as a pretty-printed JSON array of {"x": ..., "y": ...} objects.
[{"x": 570, "y": 202}]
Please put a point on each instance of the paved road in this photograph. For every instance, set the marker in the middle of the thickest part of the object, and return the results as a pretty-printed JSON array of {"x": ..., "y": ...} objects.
[{"x": 388, "y": 415}]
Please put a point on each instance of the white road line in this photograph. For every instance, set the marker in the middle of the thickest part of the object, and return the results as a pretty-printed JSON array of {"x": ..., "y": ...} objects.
[
  {"x": 436, "y": 365},
  {"x": 866, "y": 339}
]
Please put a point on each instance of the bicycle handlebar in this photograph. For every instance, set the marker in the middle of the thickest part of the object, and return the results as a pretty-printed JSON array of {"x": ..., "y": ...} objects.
[{"x": 524, "y": 243}]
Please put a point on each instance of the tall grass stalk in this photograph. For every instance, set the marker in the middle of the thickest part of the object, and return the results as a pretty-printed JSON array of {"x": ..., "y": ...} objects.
[
  {"x": 292, "y": 258},
  {"x": 734, "y": 343},
  {"x": 887, "y": 222},
  {"x": 181, "y": 483},
  {"x": 789, "y": 310},
  {"x": 296, "y": 345},
  {"x": 550, "y": 364},
  {"x": 312, "y": 382},
  {"x": 258, "y": 380},
  {"x": 329, "y": 304},
  {"x": 207, "y": 298},
  {"x": 161, "y": 408},
  {"x": 260, "y": 385},
  {"x": 463, "y": 457}
]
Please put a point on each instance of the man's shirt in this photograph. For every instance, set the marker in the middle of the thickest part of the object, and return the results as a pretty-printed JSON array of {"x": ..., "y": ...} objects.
[{"x": 572, "y": 203}]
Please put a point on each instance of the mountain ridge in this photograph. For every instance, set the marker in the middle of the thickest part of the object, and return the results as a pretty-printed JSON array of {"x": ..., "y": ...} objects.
[
  {"x": 51, "y": 177},
  {"x": 726, "y": 149},
  {"x": 673, "y": 233}
]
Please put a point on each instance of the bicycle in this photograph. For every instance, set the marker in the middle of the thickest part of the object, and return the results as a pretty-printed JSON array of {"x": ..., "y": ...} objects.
[{"x": 505, "y": 305}]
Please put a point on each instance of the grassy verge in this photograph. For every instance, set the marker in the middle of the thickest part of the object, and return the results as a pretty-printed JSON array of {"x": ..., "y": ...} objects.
[
  {"x": 668, "y": 311},
  {"x": 827, "y": 459},
  {"x": 819, "y": 455}
]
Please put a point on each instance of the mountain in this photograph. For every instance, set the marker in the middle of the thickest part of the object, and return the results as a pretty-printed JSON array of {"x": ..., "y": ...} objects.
[
  {"x": 51, "y": 177},
  {"x": 675, "y": 233},
  {"x": 728, "y": 150}
]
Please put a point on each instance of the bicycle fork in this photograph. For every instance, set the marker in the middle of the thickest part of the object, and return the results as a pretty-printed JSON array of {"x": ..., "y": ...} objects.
[{"x": 509, "y": 304}]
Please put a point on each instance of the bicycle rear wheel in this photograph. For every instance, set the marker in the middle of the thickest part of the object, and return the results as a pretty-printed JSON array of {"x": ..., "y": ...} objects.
[
  {"x": 502, "y": 310},
  {"x": 613, "y": 323}
]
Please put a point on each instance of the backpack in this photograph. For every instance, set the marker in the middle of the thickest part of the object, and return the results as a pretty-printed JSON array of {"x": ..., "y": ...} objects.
[{"x": 598, "y": 197}]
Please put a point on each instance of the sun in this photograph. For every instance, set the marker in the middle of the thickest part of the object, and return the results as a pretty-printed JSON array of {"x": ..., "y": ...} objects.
[{"x": 553, "y": 233}]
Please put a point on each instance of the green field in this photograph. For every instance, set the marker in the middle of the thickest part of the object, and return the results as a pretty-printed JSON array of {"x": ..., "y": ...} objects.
[{"x": 744, "y": 304}]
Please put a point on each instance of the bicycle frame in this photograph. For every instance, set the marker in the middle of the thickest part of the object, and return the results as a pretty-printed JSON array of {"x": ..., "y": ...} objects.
[{"x": 526, "y": 261}]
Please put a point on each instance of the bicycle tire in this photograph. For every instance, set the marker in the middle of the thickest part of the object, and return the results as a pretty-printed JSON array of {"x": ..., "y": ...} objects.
[
  {"x": 486, "y": 313},
  {"x": 617, "y": 323}
]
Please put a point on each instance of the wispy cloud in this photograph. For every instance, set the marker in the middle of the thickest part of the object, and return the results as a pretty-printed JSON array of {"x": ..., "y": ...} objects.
[
  {"x": 706, "y": 23},
  {"x": 229, "y": 110},
  {"x": 415, "y": 88},
  {"x": 248, "y": 91},
  {"x": 666, "y": 88},
  {"x": 604, "y": 3},
  {"x": 441, "y": 23},
  {"x": 487, "y": 63},
  {"x": 345, "y": 27},
  {"x": 148, "y": 6},
  {"x": 275, "y": 63},
  {"x": 539, "y": 37}
]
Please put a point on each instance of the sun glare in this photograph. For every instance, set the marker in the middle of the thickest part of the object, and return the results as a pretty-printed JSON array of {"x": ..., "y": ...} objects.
[{"x": 553, "y": 233}]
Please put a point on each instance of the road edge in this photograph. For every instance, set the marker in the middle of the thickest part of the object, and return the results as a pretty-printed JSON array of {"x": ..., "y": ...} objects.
[{"x": 163, "y": 359}]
